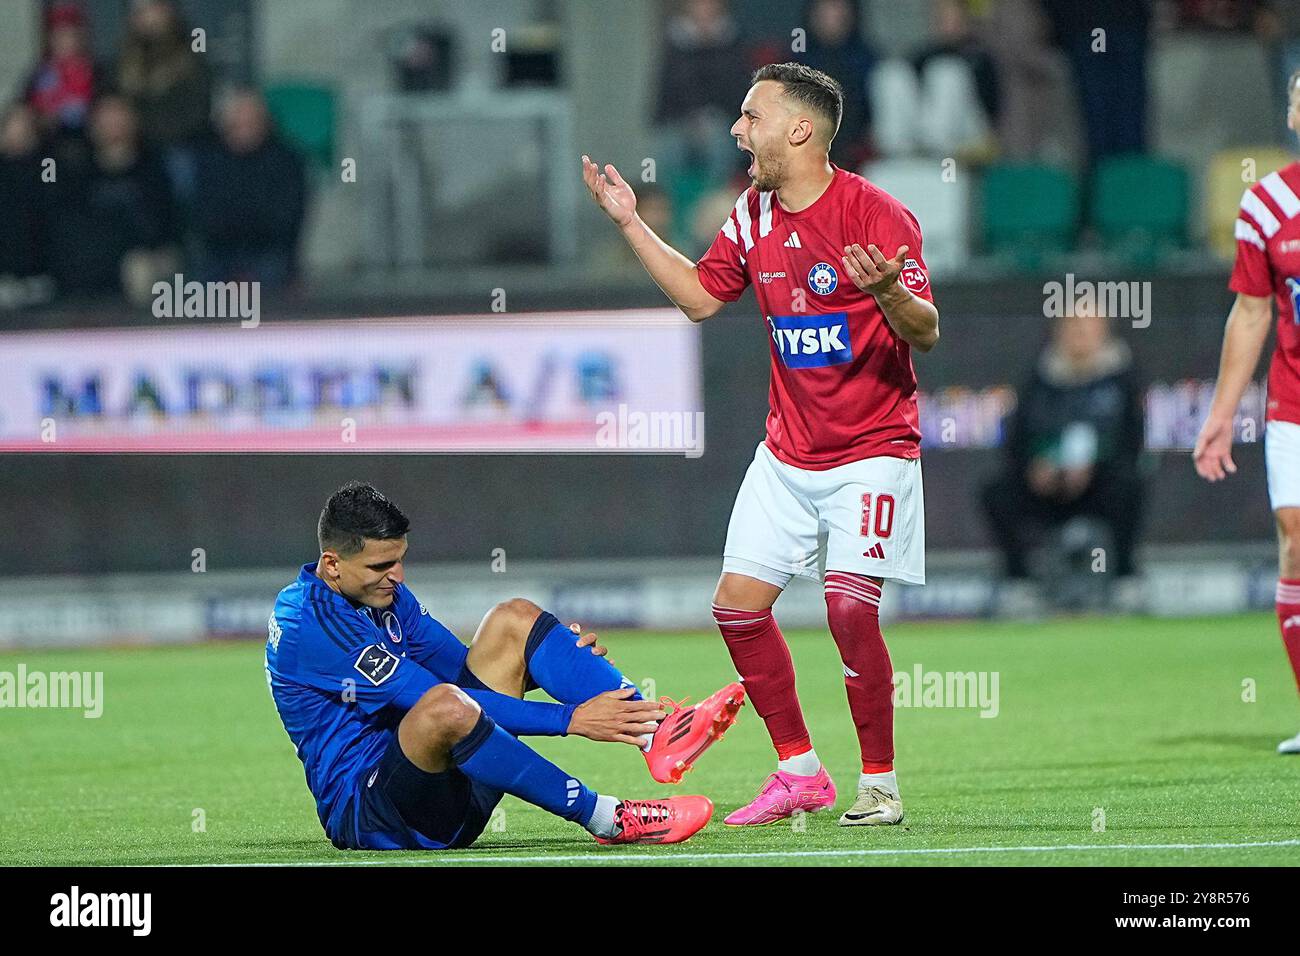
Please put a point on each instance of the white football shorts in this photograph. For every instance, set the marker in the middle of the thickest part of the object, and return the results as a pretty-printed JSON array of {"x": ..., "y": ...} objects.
[
  {"x": 1282, "y": 463},
  {"x": 866, "y": 517}
]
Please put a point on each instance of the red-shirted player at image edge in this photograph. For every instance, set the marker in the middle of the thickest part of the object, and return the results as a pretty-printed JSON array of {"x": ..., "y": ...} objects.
[
  {"x": 1267, "y": 270},
  {"x": 837, "y": 269}
]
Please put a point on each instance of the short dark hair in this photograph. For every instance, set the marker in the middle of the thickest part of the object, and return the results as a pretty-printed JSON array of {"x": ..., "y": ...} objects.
[
  {"x": 355, "y": 512},
  {"x": 819, "y": 91}
]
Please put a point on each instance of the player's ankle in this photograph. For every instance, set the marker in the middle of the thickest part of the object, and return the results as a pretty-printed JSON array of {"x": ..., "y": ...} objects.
[
  {"x": 603, "y": 818},
  {"x": 805, "y": 764}
]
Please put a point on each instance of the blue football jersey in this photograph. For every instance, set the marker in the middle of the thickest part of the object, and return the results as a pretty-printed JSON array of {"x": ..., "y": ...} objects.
[{"x": 342, "y": 677}]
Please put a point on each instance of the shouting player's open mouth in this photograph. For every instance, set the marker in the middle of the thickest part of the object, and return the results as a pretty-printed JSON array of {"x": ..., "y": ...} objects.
[{"x": 753, "y": 160}]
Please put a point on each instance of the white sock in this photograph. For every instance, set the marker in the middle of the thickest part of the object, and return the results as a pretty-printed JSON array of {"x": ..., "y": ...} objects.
[
  {"x": 804, "y": 765},
  {"x": 601, "y": 823},
  {"x": 885, "y": 781}
]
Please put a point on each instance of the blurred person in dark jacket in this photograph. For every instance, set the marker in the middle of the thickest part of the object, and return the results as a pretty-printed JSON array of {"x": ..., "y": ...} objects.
[
  {"x": 942, "y": 101},
  {"x": 1111, "y": 80},
  {"x": 251, "y": 198},
  {"x": 836, "y": 46},
  {"x": 62, "y": 86},
  {"x": 113, "y": 228},
  {"x": 955, "y": 36},
  {"x": 169, "y": 85},
  {"x": 25, "y": 199},
  {"x": 703, "y": 73},
  {"x": 1072, "y": 446}
]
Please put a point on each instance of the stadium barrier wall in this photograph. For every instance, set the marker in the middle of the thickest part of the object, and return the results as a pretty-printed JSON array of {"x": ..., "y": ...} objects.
[
  {"x": 659, "y": 595},
  {"x": 148, "y": 513}
]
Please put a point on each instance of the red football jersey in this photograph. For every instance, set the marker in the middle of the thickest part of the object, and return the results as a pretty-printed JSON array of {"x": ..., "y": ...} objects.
[
  {"x": 1268, "y": 263},
  {"x": 842, "y": 385}
]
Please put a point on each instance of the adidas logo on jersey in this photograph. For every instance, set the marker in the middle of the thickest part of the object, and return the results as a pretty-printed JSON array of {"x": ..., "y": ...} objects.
[{"x": 793, "y": 242}]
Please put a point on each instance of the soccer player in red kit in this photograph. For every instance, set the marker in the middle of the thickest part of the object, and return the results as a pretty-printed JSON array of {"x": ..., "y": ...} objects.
[
  {"x": 834, "y": 491},
  {"x": 1267, "y": 268}
]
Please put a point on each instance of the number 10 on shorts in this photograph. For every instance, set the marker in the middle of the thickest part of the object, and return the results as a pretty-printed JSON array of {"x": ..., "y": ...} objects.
[{"x": 884, "y": 518}]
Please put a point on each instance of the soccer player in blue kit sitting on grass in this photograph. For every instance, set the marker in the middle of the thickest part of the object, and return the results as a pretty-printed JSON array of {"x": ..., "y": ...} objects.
[{"x": 409, "y": 738}]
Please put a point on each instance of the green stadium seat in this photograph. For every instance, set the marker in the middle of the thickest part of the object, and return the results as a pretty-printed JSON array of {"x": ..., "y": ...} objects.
[
  {"x": 1030, "y": 211},
  {"x": 304, "y": 114},
  {"x": 1139, "y": 205}
]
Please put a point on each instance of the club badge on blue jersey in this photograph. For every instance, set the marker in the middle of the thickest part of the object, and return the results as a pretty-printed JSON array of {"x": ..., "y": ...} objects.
[
  {"x": 822, "y": 278},
  {"x": 812, "y": 340},
  {"x": 393, "y": 627}
]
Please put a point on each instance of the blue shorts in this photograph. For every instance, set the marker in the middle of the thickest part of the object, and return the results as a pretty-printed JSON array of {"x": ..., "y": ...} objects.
[{"x": 398, "y": 806}]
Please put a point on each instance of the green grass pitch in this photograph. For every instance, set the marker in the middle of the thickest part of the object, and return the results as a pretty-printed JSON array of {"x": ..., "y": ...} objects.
[{"x": 1140, "y": 722}]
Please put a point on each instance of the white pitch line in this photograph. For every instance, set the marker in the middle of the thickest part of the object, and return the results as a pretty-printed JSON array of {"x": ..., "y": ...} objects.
[{"x": 617, "y": 857}]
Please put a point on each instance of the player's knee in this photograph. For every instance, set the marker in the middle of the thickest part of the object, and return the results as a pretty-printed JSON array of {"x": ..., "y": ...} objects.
[
  {"x": 1288, "y": 540},
  {"x": 742, "y": 593},
  {"x": 517, "y": 615},
  {"x": 446, "y": 711}
]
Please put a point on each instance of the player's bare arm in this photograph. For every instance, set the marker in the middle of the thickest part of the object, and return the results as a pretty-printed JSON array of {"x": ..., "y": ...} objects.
[
  {"x": 915, "y": 320},
  {"x": 1243, "y": 342},
  {"x": 674, "y": 273}
]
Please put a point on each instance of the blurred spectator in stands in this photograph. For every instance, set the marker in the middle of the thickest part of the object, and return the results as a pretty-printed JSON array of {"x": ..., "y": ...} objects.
[
  {"x": 1220, "y": 16},
  {"x": 169, "y": 85},
  {"x": 1035, "y": 98},
  {"x": 251, "y": 198},
  {"x": 1072, "y": 447},
  {"x": 836, "y": 46},
  {"x": 62, "y": 86},
  {"x": 1106, "y": 43},
  {"x": 703, "y": 77},
  {"x": 113, "y": 229},
  {"x": 942, "y": 102},
  {"x": 955, "y": 37},
  {"x": 1277, "y": 25},
  {"x": 25, "y": 201}
]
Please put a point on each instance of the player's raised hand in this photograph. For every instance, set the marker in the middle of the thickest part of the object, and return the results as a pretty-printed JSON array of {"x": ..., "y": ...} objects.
[
  {"x": 1212, "y": 455},
  {"x": 870, "y": 270},
  {"x": 610, "y": 191},
  {"x": 612, "y": 717}
]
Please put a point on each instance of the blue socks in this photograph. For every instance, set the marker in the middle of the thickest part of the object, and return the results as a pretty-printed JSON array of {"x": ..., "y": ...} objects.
[
  {"x": 492, "y": 757},
  {"x": 569, "y": 673}
]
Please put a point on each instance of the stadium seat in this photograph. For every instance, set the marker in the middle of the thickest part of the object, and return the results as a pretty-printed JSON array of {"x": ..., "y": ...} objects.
[
  {"x": 943, "y": 213},
  {"x": 1139, "y": 205},
  {"x": 1229, "y": 174},
  {"x": 1029, "y": 211},
  {"x": 304, "y": 114}
]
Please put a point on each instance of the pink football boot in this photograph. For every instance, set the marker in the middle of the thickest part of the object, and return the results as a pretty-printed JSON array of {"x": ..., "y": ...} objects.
[{"x": 783, "y": 794}]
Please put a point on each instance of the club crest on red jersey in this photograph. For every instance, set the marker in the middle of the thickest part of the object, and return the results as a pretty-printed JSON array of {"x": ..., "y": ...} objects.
[
  {"x": 822, "y": 278},
  {"x": 913, "y": 276}
]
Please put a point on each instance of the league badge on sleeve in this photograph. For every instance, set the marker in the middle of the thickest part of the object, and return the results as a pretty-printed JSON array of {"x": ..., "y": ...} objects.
[
  {"x": 377, "y": 663},
  {"x": 913, "y": 276},
  {"x": 823, "y": 278}
]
